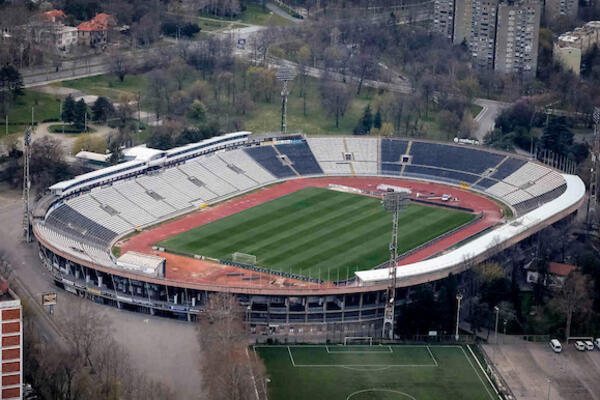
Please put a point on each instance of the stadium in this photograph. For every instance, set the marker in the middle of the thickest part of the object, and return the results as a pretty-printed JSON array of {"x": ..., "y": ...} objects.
[{"x": 292, "y": 225}]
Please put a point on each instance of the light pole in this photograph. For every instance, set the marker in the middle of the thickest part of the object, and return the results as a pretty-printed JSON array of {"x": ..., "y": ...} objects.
[
  {"x": 458, "y": 299},
  {"x": 497, "y": 310}
]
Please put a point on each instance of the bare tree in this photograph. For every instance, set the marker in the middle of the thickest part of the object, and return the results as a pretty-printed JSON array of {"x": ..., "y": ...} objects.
[
  {"x": 121, "y": 64},
  {"x": 335, "y": 97},
  {"x": 230, "y": 372},
  {"x": 575, "y": 297}
]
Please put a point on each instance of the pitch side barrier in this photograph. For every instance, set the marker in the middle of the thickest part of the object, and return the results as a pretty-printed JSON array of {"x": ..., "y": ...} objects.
[{"x": 496, "y": 240}]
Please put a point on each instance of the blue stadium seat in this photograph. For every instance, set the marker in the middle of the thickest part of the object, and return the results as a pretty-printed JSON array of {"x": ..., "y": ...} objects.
[
  {"x": 440, "y": 174},
  {"x": 267, "y": 157},
  {"x": 392, "y": 149},
  {"x": 508, "y": 167},
  {"x": 453, "y": 157},
  {"x": 302, "y": 158}
]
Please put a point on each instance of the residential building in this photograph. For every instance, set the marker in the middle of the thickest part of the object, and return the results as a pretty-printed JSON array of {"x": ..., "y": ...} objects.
[
  {"x": 556, "y": 8},
  {"x": 95, "y": 32},
  {"x": 500, "y": 34},
  {"x": 517, "y": 36},
  {"x": 482, "y": 36},
  {"x": 443, "y": 17},
  {"x": 556, "y": 276},
  {"x": 12, "y": 343},
  {"x": 570, "y": 46}
]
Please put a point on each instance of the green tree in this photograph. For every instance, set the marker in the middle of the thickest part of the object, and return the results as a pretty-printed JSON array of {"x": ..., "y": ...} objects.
[
  {"x": 80, "y": 114},
  {"x": 557, "y": 136},
  {"x": 11, "y": 86},
  {"x": 102, "y": 109},
  {"x": 116, "y": 155},
  {"x": 68, "y": 110},
  {"x": 377, "y": 119},
  {"x": 365, "y": 123}
]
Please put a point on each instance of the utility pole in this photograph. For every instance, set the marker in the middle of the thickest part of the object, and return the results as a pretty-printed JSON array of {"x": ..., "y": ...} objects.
[
  {"x": 458, "y": 299},
  {"x": 284, "y": 74},
  {"x": 27, "y": 186},
  {"x": 394, "y": 202}
]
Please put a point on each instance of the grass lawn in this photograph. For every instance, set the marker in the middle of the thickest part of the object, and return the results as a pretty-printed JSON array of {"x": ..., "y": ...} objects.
[
  {"x": 475, "y": 109},
  {"x": 317, "y": 231},
  {"x": 46, "y": 107},
  {"x": 68, "y": 129},
  {"x": 256, "y": 15},
  {"x": 373, "y": 373},
  {"x": 108, "y": 85}
]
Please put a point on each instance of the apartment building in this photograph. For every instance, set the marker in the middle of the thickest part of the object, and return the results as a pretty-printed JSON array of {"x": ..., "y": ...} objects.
[
  {"x": 500, "y": 34},
  {"x": 12, "y": 344},
  {"x": 570, "y": 46},
  {"x": 517, "y": 37},
  {"x": 556, "y": 8}
]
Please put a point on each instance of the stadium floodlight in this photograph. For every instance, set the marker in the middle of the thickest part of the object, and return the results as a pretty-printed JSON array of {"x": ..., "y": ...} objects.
[
  {"x": 394, "y": 202},
  {"x": 284, "y": 74}
]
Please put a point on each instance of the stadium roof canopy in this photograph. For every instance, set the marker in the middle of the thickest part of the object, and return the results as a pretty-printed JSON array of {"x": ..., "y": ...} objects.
[{"x": 574, "y": 193}]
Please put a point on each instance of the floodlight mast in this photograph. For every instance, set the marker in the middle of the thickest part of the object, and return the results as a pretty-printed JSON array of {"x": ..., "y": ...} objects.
[
  {"x": 592, "y": 209},
  {"x": 27, "y": 186},
  {"x": 394, "y": 202},
  {"x": 284, "y": 74}
]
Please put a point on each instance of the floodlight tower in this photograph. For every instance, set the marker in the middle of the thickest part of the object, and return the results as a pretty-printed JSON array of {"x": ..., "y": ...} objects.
[
  {"x": 394, "y": 202},
  {"x": 593, "y": 200},
  {"x": 284, "y": 74},
  {"x": 26, "y": 186}
]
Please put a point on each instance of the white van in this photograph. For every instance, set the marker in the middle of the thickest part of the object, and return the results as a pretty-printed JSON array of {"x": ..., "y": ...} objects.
[{"x": 555, "y": 346}]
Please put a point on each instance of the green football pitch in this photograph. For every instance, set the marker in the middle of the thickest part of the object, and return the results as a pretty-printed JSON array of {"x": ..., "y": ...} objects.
[
  {"x": 337, "y": 372},
  {"x": 317, "y": 232}
]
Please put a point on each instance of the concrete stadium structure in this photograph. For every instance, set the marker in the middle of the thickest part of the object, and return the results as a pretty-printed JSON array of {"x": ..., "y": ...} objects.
[{"x": 79, "y": 222}]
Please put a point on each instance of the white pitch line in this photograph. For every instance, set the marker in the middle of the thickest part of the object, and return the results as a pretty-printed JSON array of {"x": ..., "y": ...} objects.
[
  {"x": 291, "y": 357},
  {"x": 476, "y": 373},
  {"x": 432, "y": 357}
]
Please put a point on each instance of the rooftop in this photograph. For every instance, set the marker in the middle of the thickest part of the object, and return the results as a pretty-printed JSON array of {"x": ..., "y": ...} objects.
[{"x": 560, "y": 269}]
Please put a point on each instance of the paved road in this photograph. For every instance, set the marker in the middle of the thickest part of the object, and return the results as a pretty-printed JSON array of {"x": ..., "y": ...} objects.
[
  {"x": 531, "y": 369},
  {"x": 281, "y": 13},
  {"x": 487, "y": 117},
  {"x": 163, "y": 349}
]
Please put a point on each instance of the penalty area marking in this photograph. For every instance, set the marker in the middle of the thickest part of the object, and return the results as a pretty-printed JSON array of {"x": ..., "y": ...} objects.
[
  {"x": 388, "y": 349},
  {"x": 359, "y": 366},
  {"x": 406, "y": 395}
]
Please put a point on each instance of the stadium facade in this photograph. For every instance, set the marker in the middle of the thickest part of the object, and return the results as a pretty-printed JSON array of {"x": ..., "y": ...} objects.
[{"x": 77, "y": 224}]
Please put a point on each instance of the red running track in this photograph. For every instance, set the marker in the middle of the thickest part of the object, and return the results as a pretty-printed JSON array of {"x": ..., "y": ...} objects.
[{"x": 187, "y": 269}]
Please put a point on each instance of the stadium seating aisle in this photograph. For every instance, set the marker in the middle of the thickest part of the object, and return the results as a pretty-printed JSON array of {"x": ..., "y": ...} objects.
[
  {"x": 266, "y": 156},
  {"x": 126, "y": 207},
  {"x": 177, "y": 179},
  {"x": 219, "y": 168},
  {"x": 392, "y": 150},
  {"x": 302, "y": 158},
  {"x": 171, "y": 195},
  {"x": 250, "y": 167},
  {"x": 213, "y": 183},
  {"x": 136, "y": 194}
]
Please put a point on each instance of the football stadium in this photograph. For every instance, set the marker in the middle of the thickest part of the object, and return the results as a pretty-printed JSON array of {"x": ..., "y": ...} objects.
[{"x": 295, "y": 227}]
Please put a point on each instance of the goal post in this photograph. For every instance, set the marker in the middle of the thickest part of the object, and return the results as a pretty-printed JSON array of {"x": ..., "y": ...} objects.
[
  {"x": 244, "y": 258},
  {"x": 358, "y": 340}
]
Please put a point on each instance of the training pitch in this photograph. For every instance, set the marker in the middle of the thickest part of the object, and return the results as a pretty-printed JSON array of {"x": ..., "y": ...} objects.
[
  {"x": 317, "y": 232},
  {"x": 363, "y": 372}
]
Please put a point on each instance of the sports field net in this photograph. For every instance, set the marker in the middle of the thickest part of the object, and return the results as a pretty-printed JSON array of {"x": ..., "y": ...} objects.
[
  {"x": 358, "y": 340},
  {"x": 244, "y": 258}
]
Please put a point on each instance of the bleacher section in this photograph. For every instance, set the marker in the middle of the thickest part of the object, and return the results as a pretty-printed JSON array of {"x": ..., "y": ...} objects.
[
  {"x": 302, "y": 158},
  {"x": 267, "y": 157},
  {"x": 457, "y": 158},
  {"x": 86, "y": 224}
]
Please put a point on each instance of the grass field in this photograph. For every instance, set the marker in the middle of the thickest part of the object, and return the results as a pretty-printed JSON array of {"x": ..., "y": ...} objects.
[
  {"x": 337, "y": 372},
  {"x": 317, "y": 231}
]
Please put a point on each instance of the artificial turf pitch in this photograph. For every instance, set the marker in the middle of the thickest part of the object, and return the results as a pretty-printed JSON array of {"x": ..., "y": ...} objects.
[
  {"x": 338, "y": 372},
  {"x": 317, "y": 232}
]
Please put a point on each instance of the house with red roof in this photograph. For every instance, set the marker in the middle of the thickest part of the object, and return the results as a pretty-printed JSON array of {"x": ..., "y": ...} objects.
[
  {"x": 556, "y": 276},
  {"x": 54, "y": 16},
  {"x": 95, "y": 32}
]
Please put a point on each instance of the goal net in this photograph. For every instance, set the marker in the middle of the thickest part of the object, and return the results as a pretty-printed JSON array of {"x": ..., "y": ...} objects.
[
  {"x": 244, "y": 258},
  {"x": 358, "y": 340}
]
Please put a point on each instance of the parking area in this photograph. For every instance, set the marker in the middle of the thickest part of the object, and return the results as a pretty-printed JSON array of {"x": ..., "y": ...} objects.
[{"x": 532, "y": 370}]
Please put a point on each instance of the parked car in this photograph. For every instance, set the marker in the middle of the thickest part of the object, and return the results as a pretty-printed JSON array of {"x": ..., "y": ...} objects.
[
  {"x": 579, "y": 345},
  {"x": 597, "y": 343},
  {"x": 555, "y": 346},
  {"x": 589, "y": 345}
]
